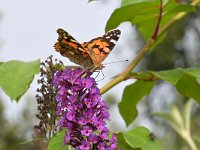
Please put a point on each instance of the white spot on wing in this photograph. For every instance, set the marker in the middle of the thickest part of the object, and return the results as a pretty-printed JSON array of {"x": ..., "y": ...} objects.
[
  {"x": 73, "y": 40},
  {"x": 113, "y": 41}
]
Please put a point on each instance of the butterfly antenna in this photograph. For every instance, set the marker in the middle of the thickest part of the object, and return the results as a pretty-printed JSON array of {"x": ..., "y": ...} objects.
[
  {"x": 116, "y": 62},
  {"x": 103, "y": 75}
]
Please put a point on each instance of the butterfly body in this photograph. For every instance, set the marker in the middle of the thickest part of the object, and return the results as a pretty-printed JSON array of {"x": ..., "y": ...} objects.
[{"x": 90, "y": 54}]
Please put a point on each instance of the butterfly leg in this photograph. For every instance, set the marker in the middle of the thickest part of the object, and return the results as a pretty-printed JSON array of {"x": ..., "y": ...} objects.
[
  {"x": 98, "y": 75},
  {"x": 103, "y": 75}
]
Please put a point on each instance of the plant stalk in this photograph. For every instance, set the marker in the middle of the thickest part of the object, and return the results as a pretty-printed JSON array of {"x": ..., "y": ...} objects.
[{"x": 143, "y": 51}]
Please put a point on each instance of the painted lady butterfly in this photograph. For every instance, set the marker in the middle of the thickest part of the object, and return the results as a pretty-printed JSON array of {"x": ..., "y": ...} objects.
[{"x": 90, "y": 54}]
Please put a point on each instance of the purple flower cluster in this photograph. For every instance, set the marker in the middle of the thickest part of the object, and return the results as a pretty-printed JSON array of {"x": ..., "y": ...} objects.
[{"x": 83, "y": 112}]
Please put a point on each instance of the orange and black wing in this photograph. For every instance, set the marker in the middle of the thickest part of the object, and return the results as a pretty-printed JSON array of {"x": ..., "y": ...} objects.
[
  {"x": 68, "y": 47},
  {"x": 100, "y": 47}
]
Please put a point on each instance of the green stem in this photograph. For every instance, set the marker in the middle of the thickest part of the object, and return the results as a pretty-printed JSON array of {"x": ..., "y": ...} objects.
[
  {"x": 143, "y": 51},
  {"x": 191, "y": 143},
  {"x": 185, "y": 134},
  {"x": 125, "y": 73}
]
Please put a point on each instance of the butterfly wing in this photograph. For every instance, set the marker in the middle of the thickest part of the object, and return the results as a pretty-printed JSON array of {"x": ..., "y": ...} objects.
[
  {"x": 100, "y": 47},
  {"x": 69, "y": 47}
]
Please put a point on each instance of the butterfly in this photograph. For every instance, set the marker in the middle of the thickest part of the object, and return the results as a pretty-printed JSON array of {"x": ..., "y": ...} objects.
[{"x": 90, "y": 54}]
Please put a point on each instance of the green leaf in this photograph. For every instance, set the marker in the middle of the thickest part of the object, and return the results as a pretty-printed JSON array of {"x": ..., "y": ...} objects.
[
  {"x": 16, "y": 76},
  {"x": 171, "y": 76},
  {"x": 182, "y": 8},
  {"x": 189, "y": 86},
  {"x": 56, "y": 142},
  {"x": 159, "y": 40},
  {"x": 140, "y": 137},
  {"x": 187, "y": 81},
  {"x": 128, "y": 13},
  {"x": 129, "y": 2},
  {"x": 174, "y": 75},
  {"x": 131, "y": 96},
  {"x": 121, "y": 142},
  {"x": 144, "y": 14},
  {"x": 193, "y": 72}
]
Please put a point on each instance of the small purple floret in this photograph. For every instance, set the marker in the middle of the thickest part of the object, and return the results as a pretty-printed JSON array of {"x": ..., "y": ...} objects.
[{"x": 82, "y": 110}]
